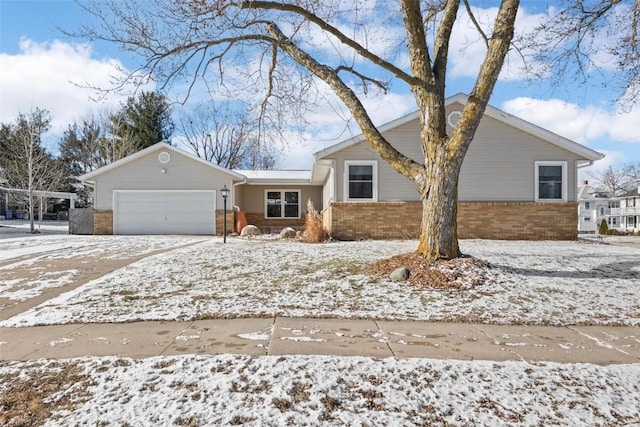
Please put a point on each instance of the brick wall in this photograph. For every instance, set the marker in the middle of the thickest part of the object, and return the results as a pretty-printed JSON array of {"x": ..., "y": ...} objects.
[
  {"x": 275, "y": 225},
  {"x": 102, "y": 222},
  {"x": 220, "y": 222},
  {"x": 518, "y": 221},
  {"x": 476, "y": 220}
]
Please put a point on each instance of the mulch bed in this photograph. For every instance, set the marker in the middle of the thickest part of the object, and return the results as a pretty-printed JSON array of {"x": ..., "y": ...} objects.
[{"x": 455, "y": 275}]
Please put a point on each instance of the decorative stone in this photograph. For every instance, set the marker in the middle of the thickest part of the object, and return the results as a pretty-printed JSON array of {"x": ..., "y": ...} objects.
[
  {"x": 250, "y": 230},
  {"x": 400, "y": 274},
  {"x": 288, "y": 233}
]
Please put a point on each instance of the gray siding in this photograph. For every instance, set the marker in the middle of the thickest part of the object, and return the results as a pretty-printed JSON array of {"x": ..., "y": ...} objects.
[
  {"x": 182, "y": 173},
  {"x": 499, "y": 165},
  {"x": 253, "y": 196}
]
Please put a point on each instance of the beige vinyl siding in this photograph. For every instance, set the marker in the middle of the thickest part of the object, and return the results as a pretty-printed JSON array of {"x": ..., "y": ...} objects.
[
  {"x": 499, "y": 165},
  {"x": 182, "y": 173},
  {"x": 253, "y": 196},
  {"x": 392, "y": 186},
  {"x": 328, "y": 186}
]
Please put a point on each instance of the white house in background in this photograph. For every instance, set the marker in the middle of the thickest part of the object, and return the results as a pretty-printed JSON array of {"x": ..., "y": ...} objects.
[
  {"x": 594, "y": 205},
  {"x": 626, "y": 216},
  {"x": 622, "y": 212}
]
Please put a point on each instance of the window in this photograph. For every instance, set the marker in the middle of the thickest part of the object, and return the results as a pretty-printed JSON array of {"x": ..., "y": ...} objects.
[
  {"x": 586, "y": 205},
  {"x": 551, "y": 181},
  {"x": 601, "y": 211},
  {"x": 587, "y": 218},
  {"x": 361, "y": 180},
  {"x": 282, "y": 204}
]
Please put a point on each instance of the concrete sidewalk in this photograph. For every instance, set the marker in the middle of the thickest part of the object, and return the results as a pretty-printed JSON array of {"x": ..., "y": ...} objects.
[{"x": 303, "y": 336}]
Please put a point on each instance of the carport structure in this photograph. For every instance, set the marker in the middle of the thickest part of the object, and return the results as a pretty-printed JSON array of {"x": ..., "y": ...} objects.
[{"x": 41, "y": 194}]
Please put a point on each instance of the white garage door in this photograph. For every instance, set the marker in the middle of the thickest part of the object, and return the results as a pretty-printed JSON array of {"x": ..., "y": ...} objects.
[{"x": 164, "y": 212}]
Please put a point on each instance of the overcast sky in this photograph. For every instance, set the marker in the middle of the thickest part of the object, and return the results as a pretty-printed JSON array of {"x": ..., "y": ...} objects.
[{"x": 40, "y": 67}]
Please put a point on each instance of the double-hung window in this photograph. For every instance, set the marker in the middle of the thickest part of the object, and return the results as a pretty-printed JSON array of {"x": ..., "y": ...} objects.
[
  {"x": 551, "y": 181},
  {"x": 282, "y": 204},
  {"x": 361, "y": 180}
]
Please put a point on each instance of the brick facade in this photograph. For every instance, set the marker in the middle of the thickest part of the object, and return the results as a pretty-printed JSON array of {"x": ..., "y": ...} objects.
[
  {"x": 102, "y": 222},
  {"x": 220, "y": 222},
  {"x": 476, "y": 220},
  {"x": 274, "y": 225}
]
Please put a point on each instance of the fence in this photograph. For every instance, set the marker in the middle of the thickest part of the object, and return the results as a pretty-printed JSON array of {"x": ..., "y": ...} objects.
[{"x": 81, "y": 221}]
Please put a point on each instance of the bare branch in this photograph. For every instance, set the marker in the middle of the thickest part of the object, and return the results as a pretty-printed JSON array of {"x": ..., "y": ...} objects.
[
  {"x": 475, "y": 23},
  {"x": 311, "y": 17}
]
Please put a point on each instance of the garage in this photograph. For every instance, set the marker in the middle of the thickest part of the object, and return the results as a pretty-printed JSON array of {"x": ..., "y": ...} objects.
[{"x": 164, "y": 211}]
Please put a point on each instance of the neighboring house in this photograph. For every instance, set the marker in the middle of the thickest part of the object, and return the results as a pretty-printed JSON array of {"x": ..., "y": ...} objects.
[
  {"x": 594, "y": 205},
  {"x": 626, "y": 217},
  {"x": 518, "y": 181}
]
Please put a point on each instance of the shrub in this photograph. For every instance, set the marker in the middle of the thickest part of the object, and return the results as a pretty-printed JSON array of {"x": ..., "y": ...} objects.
[
  {"x": 314, "y": 231},
  {"x": 603, "y": 229}
]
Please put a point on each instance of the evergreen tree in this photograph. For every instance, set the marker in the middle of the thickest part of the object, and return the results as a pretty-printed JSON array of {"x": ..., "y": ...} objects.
[{"x": 145, "y": 120}]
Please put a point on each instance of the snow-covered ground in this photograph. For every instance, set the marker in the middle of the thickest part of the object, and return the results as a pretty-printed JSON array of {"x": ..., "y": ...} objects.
[
  {"x": 533, "y": 282},
  {"x": 11, "y": 228},
  {"x": 321, "y": 390},
  {"x": 556, "y": 283}
]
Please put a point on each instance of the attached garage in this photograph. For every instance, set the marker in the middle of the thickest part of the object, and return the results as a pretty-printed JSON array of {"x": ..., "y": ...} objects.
[{"x": 164, "y": 211}]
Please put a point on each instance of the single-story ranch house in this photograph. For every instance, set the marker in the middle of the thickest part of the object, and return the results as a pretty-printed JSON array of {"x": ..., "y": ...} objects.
[{"x": 518, "y": 181}]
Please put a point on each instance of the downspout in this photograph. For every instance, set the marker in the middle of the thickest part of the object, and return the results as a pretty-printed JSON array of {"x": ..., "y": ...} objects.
[{"x": 233, "y": 186}]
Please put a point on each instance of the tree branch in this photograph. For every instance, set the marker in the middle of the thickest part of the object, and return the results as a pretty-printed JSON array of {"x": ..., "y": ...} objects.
[
  {"x": 397, "y": 160},
  {"x": 325, "y": 26}
]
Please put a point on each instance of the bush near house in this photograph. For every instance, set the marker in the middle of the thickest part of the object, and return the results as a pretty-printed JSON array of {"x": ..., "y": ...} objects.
[{"x": 603, "y": 229}]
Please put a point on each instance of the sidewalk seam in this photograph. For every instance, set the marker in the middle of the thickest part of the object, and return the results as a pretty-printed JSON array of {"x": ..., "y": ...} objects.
[
  {"x": 386, "y": 339},
  {"x": 496, "y": 342},
  {"x": 174, "y": 338},
  {"x": 44, "y": 345}
]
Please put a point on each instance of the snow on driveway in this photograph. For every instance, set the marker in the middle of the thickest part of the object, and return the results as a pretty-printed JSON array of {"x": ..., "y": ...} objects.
[
  {"x": 29, "y": 266},
  {"x": 556, "y": 283}
]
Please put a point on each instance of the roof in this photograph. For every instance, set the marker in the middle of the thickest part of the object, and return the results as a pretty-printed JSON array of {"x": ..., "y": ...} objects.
[
  {"x": 160, "y": 145},
  {"x": 490, "y": 111},
  {"x": 276, "y": 176}
]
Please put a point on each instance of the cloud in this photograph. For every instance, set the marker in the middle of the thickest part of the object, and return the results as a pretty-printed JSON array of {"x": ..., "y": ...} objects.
[
  {"x": 583, "y": 124},
  {"x": 50, "y": 75}
]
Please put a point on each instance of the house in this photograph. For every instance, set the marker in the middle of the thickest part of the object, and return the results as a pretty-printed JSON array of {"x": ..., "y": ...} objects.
[
  {"x": 621, "y": 212},
  {"x": 626, "y": 217},
  {"x": 518, "y": 181},
  {"x": 594, "y": 205}
]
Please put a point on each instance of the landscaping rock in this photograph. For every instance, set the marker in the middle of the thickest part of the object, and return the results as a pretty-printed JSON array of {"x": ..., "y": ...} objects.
[
  {"x": 250, "y": 230},
  {"x": 288, "y": 233},
  {"x": 400, "y": 274}
]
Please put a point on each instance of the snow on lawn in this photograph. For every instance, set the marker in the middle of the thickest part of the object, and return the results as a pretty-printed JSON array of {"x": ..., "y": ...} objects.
[
  {"x": 321, "y": 390},
  {"x": 32, "y": 265},
  {"x": 554, "y": 283}
]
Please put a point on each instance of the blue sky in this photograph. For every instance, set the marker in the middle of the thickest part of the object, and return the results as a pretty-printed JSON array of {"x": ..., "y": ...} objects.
[{"x": 40, "y": 67}]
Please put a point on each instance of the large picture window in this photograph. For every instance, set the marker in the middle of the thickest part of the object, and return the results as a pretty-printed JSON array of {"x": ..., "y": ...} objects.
[
  {"x": 551, "y": 181},
  {"x": 361, "y": 180},
  {"x": 282, "y": 204}
]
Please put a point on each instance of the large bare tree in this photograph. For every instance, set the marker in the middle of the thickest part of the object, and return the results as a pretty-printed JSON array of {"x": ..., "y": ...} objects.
[
  {"x": 227, "y": 136},
  {"x": 275, "y": 47},
  {"x": 615, "y": 179}
]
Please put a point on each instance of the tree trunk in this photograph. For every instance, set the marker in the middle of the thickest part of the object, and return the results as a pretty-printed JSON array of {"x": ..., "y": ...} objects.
[{"x": 438, "y": 229}]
